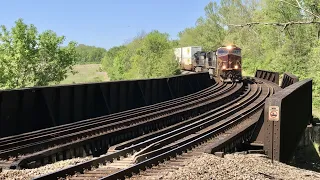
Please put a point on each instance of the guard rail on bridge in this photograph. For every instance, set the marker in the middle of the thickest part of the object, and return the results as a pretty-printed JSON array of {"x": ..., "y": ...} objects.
[
  {"x": 268, "y": 75},
  {"x": 288, "y": 79}
]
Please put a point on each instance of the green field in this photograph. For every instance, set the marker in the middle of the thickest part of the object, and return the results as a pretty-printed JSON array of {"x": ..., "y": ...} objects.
[
  {"x": 316, "y": 112},
  {"x": 86, "y": 73}
]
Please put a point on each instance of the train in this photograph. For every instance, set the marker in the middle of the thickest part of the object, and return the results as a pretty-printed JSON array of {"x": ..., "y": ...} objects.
[{"x": 224, "y": 63}]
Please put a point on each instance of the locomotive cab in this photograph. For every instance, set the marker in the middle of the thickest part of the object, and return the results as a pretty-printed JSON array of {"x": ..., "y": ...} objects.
[{"x": 229, "y": 63}]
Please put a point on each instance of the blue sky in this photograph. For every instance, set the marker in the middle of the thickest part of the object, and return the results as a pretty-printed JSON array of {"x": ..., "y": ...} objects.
[{"x": 104, "y": 23}]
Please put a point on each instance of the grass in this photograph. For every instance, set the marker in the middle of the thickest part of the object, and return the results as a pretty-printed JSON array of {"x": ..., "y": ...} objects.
[
  {"x": 316, "y": 146},
  {"x": 316, "y": 112},
  {"x": 86, "y": 73}
]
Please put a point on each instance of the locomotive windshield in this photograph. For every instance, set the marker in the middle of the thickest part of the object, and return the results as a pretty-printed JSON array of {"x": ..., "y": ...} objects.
[
  {"x": 222, "y": 52},
  {"x": 225, "y": 51},
  {"x": 236, "y": 52}
]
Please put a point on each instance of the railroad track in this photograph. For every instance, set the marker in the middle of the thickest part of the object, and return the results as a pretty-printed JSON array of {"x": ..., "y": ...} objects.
[
  {"x": 93, "y": 137},
  {"x": 12, "y": 147},
  {"x": 237, "y": 116}
]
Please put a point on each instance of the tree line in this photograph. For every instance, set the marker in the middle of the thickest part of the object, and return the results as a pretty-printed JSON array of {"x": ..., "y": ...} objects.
[
  {"x": 147, "y": 56},
  {"x": 89, "y": 54}
]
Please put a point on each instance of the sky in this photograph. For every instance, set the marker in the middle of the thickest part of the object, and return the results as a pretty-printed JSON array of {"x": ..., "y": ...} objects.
[{"x": 104, "y": 23}]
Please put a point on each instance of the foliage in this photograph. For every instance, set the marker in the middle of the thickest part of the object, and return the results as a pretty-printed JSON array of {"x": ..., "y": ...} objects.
[
  {"x": 147, "y": 56},
  {"x": 89, "y": 54},
  {"x": 28, "y": 58},
  {"x": 208, "y": 31},
  {"x": 108, "y": 59}
]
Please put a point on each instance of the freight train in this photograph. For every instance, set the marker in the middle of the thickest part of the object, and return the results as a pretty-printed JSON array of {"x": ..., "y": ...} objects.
[{"x": 224, "y": 63}]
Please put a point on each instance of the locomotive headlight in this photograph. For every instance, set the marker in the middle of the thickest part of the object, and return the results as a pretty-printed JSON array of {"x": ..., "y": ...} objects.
[
  {"x": 236, "y": 66},
  {"x": 229, "y": 47}
]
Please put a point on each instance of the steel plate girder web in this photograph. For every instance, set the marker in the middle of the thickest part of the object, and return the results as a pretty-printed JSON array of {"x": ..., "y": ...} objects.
[
  {"x": 30, "y": 109},
  {"x": 287, "y": 114}
]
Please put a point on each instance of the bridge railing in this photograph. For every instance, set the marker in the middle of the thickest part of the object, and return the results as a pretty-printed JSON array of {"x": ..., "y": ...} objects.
[
  {"x": 288, "y": 79},
  {"x": 286, "y": 115},
  {"x": 29, "y": 109},
  {"x": 268, "y": 75}
]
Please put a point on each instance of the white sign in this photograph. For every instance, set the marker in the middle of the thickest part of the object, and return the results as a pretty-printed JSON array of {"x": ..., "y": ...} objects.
[{"x": 273, "y": 113}]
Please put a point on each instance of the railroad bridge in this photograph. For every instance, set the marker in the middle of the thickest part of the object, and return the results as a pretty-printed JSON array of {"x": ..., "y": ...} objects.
[{"x": 145, "y": 122}]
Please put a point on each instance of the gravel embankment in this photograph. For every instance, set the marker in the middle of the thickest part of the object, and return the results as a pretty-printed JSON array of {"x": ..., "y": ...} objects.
[
  {"x": 238, "y": 166},
  {"x": 27, "y": 174},
  {"x": 205, "y": 166}
]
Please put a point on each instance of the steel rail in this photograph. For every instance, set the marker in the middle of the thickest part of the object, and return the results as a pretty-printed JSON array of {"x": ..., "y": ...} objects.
[
  {"x": 212, "y": 120},
  {"x": 187, "y": 145},
  {"x": 173, "y": 128},
  {"x": 109, "y": 157}
]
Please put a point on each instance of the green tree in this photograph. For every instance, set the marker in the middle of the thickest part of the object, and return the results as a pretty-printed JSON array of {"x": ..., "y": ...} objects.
[
  {"x": 31, "y": 59},
  {"x": 90, "y": 54},
  {"x": 109, "y": 57},
  {"x": 208, "y": 32},
  {"x": 147, "y": 56}
]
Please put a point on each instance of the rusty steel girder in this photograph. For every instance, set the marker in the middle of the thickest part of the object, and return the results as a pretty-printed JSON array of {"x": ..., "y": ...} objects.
[{"x": 287, "y": 114}]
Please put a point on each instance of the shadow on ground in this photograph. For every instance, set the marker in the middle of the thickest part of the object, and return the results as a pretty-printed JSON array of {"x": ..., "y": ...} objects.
[{"x": 306, "y": 157}]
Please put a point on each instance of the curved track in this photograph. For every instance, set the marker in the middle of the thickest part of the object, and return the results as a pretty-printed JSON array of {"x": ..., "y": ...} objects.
[
  {"x": 77, "y": 139},
  {"x": 201, "y": 130}
]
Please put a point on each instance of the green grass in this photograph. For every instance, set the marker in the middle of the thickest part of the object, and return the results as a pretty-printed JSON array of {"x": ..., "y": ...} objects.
[
  {"x": 316, "y": 112},
  {"x": 316, "y": 146},
  {"x": 86, "y": 73}
]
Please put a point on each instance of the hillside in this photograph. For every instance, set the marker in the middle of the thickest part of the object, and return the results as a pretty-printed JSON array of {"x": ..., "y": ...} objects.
[{"x": 86, "y": 73}]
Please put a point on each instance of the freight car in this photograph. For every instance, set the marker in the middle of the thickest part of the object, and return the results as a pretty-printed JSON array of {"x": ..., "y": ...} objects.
[{"x": 185, "y": 57}]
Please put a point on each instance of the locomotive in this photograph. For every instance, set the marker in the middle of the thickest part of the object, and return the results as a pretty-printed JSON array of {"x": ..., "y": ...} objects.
[
  {"x": 224, "y": 63},
  {"x": 229, "y": 65}
]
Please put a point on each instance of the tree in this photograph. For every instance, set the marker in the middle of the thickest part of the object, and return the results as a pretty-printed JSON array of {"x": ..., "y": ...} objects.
[
  {"x": 208, "y": 32},
  {"x": 109, "y": 57},
  {"x": 147, "y": 56},
  {"x": 31, "y": 59},
  {"x": 90, "y": 54}
]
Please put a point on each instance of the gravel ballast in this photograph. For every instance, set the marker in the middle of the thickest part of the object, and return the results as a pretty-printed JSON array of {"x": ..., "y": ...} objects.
[
  {"x": 205, "y": 166},
  {"x": 237, "y": 166},
  {"x": 26, "y": 174}
]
